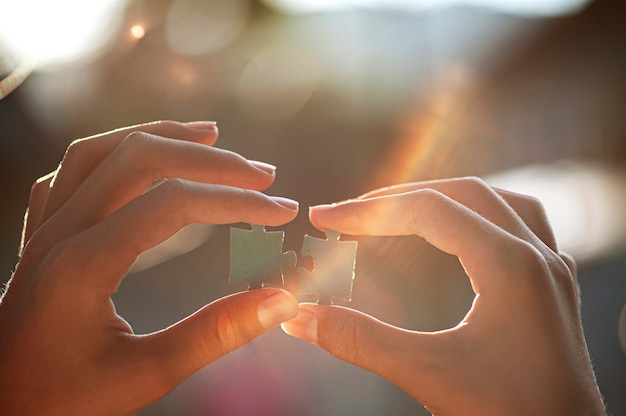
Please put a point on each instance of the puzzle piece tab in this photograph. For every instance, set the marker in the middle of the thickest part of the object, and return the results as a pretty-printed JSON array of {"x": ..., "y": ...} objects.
[
  {"x": 334, "y": 262},
  {"x": 256, "y": 256}
]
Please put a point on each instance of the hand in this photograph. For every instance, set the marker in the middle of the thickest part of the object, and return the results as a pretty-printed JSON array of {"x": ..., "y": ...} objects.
[
  {"x": 519, "y": 350},
  {"x": 63, "y": 349}
]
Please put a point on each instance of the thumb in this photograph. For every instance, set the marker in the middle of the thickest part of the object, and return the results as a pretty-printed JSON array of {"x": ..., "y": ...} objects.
[
  {"x": 400, "y": 355},
  {"x": 217, "y": 329}
]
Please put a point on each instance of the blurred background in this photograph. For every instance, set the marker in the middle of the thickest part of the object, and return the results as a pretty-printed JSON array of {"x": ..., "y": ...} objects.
[{"x": 344, "y": 97}]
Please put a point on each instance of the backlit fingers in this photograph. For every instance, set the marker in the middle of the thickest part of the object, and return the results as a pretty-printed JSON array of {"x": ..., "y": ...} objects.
[
  {"x": 84, "y": 155},
  {"x": 476, "y": 195},
  {"x": 142, "y": 159},
  {"x": 38, "y": 196},
  {"x": 533, "y": 214},
  {"x": 157, "y": 215},
  {"x": 445, "y": 223}
]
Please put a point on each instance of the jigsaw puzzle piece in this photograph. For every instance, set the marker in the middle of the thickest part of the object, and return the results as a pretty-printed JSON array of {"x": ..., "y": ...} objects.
[
  {"x": 334, "y": 264},
  {"x": 256, "y": 256}
]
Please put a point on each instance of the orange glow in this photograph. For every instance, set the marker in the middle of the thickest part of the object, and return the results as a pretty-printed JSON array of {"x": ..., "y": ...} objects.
[
  {"x": 427, "y": 145},
  {"x": 433, "y": 141},
  {"x": 137, "y": 31}
]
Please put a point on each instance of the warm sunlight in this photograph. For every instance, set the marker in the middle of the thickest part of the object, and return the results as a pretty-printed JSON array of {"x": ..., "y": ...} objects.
[{"x": 59, "y": 32}]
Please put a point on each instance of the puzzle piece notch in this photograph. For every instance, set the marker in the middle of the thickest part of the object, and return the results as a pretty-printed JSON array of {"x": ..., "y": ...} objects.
[
  {"x": 334, "y": 265},
  {"x": 256, "y": 256}
]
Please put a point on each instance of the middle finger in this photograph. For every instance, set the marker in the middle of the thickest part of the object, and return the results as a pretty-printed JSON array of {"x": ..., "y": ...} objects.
[{"x": 140, "y": 160}]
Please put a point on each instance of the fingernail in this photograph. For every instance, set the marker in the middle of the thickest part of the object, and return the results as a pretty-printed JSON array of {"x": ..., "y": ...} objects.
[
  {"x": 202, "y": 125},
  {"x": 303, "y": 326},
  {"x": 265, "y": 167},
  {"x": 286, "y": 202},
  {"x": 275, "y": 309}
]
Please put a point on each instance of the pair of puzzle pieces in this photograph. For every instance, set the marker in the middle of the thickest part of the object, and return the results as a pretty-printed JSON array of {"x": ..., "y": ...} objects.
[{"x": 256, "y": 257}]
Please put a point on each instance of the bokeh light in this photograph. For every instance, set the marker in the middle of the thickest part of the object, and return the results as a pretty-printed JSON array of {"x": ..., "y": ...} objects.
[
  {"x": 585, "y": 203},
  {"x": 137, "y": 31},
  {"x": 277, "y": 83},
  {"x": 203, "y": 26}
]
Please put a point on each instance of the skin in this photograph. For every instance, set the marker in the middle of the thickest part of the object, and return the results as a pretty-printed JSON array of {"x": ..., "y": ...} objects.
[
  {"x": 64, "y": 349},
  {"x": 520, "y": 350}
]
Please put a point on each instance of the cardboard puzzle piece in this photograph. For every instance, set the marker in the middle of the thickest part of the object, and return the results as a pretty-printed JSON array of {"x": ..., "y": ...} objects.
[
  {"x": 334, "y": 263},
  {"x": 256, "y": 256}
]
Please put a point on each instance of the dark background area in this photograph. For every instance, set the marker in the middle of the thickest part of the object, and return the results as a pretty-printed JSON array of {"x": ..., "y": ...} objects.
[{"x": 343, "y": 103}]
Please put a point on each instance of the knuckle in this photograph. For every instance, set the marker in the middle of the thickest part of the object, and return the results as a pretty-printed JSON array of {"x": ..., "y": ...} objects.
[
  {"x": 173, "y": 197},
  {"x": 76, "y": 148},
  {"x": 529, "y": 259},
  {"x": 535, "y": 266},
  {"x": 432, "y": 196},
  {"x": 251, "y": 195},
  {"x": 526, "y": 265},
  {"x": 539, "y": 272},
  {"x": 133, "y": 143},
  {"x": 566, "y": 279},
  {"x": 77, "y": 154},
  {"x": 137, "y": 151},
  {"x": 570, "y": 263},
  {"x": 536, "y": 210},
  {"x": 247, "y": 198},
  {"x": 228, "y": 158},
  {"x": 133, "y": 140},
  {"x": 475, "y": 182},
  {"x": 429, "y": 199},
  {"x": 175, "y": 189},
  {"x": 477, "y": 187},
  {"x": 422, "y": 199}
]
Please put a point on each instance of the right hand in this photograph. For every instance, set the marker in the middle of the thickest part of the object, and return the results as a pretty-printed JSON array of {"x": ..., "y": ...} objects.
[{"x": 519, "y": 350}]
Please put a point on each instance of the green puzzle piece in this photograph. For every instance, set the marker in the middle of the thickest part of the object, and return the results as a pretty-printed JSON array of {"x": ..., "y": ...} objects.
[
  {"x": 256, "y": 256},
  {"x": 333, "y": 273}
]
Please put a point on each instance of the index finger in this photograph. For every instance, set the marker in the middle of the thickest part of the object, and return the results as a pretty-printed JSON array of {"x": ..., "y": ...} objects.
[
  {"x": 94, "y": 149},
  {"x": 501, "y": 207},
  {"x": 487, "y": 252}
]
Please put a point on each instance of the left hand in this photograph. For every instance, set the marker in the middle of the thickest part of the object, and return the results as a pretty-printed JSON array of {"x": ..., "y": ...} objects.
[{"x": 64, "y": 350}]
